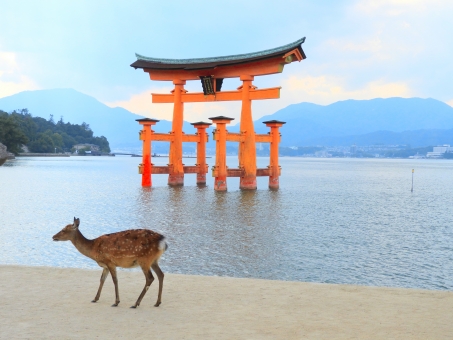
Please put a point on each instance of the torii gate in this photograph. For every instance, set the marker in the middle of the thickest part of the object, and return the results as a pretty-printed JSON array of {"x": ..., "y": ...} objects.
[{"x": 212, "y": 72}]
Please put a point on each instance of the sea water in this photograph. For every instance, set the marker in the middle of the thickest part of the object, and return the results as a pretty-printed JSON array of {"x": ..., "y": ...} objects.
[{"x": 351, "y": 221}]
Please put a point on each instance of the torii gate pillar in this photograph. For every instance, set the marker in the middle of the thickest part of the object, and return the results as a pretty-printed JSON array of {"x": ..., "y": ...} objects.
[
  {"x": 219, "y": 170},
  {"x": 201, "y": 151},
  {"x": 274, "y": 167},
  {"x": 145, "y": 168},
  {"x": 247, "y": 149},
  {"x": 176, "y": 175}
]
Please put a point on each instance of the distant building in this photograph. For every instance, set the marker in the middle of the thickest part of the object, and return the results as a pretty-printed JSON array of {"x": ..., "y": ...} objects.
[
  {"x": 323, "y": 154},
  {"x": 438, "y": 151},
  {"x": 90, "y": 148},
  {"x": 353, "y": 149}
]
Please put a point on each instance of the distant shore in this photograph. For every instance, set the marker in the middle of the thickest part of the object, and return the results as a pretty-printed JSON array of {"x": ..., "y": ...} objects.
[
  {"x": 55, "y": 304},
  {"x": 113, "y": 154},
  {"x": 30, "y": 154}
]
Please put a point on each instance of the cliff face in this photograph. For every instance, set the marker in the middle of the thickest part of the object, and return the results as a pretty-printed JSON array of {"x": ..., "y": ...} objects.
[{"x": 3, "y": 154}]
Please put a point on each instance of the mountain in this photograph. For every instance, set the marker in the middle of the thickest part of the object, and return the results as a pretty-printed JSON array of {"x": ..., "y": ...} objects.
[
  {"x": 414, "y": 139},
  {"x": 117, "y": 124},
  {"x": 414, "y": 121},
  {"x": 311, "y": 124}
]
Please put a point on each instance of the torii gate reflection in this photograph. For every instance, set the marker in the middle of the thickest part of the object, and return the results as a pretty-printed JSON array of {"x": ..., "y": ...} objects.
[{"x": 212, "y": 72}]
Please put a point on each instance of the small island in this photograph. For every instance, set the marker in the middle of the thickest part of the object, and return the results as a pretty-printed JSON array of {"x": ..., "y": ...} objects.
[{"x": 25, "y": 135}]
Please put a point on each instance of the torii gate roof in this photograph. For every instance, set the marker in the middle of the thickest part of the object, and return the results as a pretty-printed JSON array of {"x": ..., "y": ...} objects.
[{"x": 150, "y": 63}]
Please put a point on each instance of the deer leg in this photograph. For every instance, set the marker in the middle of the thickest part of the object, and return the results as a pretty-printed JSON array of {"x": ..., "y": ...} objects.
[
  {"x": 149, "y": 279},
  {"x": 115, "y": 282},
  {"x": 160, "y": 276},
  {"x": 104, "y": 275}
]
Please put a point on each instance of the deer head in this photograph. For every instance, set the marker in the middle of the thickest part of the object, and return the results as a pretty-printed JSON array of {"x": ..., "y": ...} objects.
[{"x": 68, "y": 232}]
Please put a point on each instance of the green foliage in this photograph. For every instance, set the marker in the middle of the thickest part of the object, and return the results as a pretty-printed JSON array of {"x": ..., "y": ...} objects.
[
  {"x": 408, "y": 152},
  {"x": 102, "y": 142},
  {"x": 44, "y": 143},
  {"x": 11, "y": 133},
  {"x": 45, "y": 135}
]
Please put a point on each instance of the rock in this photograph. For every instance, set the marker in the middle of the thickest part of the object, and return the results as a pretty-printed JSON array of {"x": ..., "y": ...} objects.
[{"x": 4, "y": 155}]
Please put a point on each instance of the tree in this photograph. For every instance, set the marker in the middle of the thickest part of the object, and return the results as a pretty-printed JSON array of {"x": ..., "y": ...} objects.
[
  {"x": 44, "y": 143},
  {"x": 68, "y": 141},
  {"x": 86, "y": 126},
  {"x": 102, "y": 142},
  {"x": 57, "y": 139},
  {"x": 45, "y": 135},
  {"x": 10, "y": 133}
]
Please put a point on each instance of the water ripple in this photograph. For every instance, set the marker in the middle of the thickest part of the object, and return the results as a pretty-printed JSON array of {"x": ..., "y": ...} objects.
[{"x": 334, "y": 220}]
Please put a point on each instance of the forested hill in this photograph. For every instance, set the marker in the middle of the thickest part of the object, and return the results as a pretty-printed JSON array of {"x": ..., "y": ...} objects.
[
  {"x": 41, "y": 135},
  {"x": 310, "y": 124},
  {"x": 415, "y": 121},
  {"x": 117, "y": 124}
]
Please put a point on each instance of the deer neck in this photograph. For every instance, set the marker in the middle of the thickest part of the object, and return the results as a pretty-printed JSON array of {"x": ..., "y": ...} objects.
[{"x": 82, "y": 244}]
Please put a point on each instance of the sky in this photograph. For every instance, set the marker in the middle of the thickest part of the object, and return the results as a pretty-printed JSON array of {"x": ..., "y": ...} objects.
[{"x": 360, "y": 49}]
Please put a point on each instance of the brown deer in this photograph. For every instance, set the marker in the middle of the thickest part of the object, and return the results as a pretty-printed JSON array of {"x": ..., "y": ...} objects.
[{"x": 126, "y": 249}]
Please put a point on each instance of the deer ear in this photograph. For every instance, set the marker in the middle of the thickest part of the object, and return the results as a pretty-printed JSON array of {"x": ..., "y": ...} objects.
[{"x": 76, "y": 222}]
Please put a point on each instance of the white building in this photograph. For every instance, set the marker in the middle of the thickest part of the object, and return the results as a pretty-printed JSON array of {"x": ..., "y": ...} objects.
[
  {"x": 438, "y": 151},
  {"x": 91, "y": 147}
]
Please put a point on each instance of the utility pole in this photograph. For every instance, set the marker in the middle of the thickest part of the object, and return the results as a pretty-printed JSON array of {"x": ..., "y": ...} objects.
[{"x": 412, "y": 188}]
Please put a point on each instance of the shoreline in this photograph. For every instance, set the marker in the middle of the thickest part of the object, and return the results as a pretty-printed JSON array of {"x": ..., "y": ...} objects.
[
  {"x": 212, "y": 156},
  {"x": 50, "y": 302},
  {"x": 31, "y": 154},
  {"x": 113, "y": 154}
]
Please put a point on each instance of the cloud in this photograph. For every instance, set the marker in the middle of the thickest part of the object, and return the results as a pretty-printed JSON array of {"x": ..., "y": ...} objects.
[
  {"x": 392, "y": 8},
  {"x": 369, "y": 45},
  {"x": 328, "y": 89},
  {"x": 322, "y": 90},
  {"x": 11, "y": 78},
  {"x": 141, "y": 104}
]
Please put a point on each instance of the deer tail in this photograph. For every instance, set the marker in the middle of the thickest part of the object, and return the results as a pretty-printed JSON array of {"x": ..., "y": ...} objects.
[{"x": 163, "y": 244}]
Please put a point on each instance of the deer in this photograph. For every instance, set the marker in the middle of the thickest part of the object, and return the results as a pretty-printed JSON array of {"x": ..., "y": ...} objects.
[{"x": 125, "y": 249}]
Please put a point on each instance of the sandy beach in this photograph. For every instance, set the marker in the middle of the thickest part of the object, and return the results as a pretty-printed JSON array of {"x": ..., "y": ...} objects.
[{"x": 54, "y": 303}]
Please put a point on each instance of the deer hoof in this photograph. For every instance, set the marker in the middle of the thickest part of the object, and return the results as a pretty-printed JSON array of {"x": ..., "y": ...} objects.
[
  {"x": 94, "y": 301},
  {"x": 157, "y": 304},
  {"x": 133, "y": 306},
  {"x": 115, "y": 305}
]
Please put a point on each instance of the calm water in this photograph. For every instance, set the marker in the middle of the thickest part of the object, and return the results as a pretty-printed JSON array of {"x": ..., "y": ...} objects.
[{"x": 333, "y": 220}]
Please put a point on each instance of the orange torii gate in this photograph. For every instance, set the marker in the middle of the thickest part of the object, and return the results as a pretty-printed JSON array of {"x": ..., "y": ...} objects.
[{"x": 212, "y": 72}]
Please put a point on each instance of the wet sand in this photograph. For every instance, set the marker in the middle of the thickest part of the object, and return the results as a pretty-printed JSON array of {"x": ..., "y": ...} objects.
[{"x": 54, "y": 303}]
